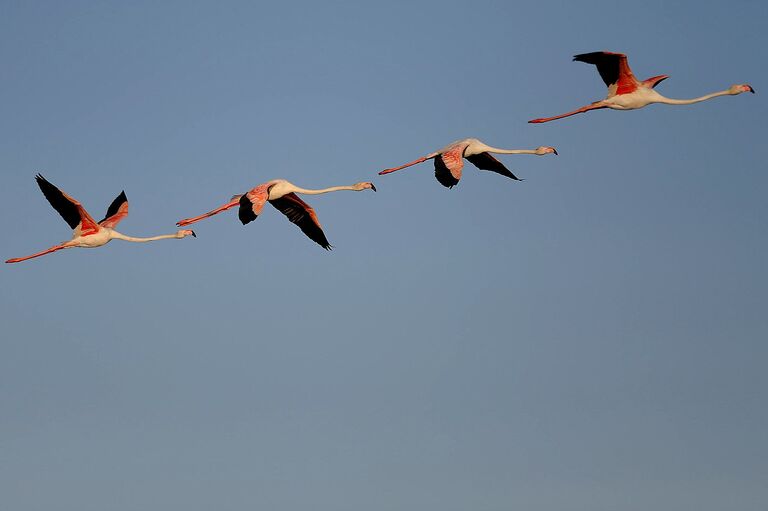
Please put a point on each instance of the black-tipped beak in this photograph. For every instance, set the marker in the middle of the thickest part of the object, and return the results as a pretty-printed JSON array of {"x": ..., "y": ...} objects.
[
  {"x": 555, "y": 151},
  {"x": 194, "y": 235},
  {"x": 751, "y": 89},
  {"x": 373, "y": 187}
]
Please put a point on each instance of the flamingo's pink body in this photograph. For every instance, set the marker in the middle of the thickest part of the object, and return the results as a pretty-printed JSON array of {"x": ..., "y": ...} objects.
[
  {"x": 87, "y": 233},
  {"x": 282, "y": 195},
  {"x": 449, "y": 160},
  {"x": 625, "y": 92}
]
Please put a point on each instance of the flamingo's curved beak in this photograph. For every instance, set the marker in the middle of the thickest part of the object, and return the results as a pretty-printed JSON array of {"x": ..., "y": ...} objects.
[
  {"x": 373, "y": 187},
  {"x": 194, "y": 235},
  {"x": 751, "y": 89},
  {"x": 554, "y": 151}
]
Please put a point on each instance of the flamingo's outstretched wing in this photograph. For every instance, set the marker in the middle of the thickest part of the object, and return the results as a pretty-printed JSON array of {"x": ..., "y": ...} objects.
[
  {"x": 448, "y": 165},
  {"x": 486, "y": 161},
  {"x": 69, "y": 208},
  {"x": 614, "y": 70},
  {"x": 302, "y": 214},
  {"x": 252, "y": 203},
  {"x": 116, "y": 211}
]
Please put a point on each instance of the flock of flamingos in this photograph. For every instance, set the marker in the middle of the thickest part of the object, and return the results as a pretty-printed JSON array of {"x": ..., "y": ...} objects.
[{"x": 625, "y": 92}]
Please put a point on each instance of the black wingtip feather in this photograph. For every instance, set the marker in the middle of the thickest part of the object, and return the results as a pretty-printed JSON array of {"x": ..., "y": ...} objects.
[
  {"x": 486, "y": 161},
  {"x": 114, "y": 207},
  {"x": 59, "y": 201},
  {"x": 592, "y": 55},
  {"x": 302, "y": 215},
  {"x": 245, "y": 213},
  {"x": 443, "y": 174}
]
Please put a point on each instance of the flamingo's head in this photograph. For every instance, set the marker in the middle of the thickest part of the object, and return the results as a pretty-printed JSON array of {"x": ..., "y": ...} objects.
[
  {"x": 364, "y": 186},
  {"x": 739, "y": 88},
  {"x": 541, "y": 151},
  {"x": 185, "y": 232}
]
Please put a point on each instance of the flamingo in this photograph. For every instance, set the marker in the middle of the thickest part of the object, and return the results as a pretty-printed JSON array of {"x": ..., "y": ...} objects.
[
  {"x": 282, "y": 195},
  {"x": 449, "y": 162},
  {"x": 87, "y": 232},
  {"x": 625, "y": 92}
]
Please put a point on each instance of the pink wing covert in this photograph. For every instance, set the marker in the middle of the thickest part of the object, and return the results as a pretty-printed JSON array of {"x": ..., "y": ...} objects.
[
  {"x": 448, "y": 165},
  {"x": 253, "y": 202}
]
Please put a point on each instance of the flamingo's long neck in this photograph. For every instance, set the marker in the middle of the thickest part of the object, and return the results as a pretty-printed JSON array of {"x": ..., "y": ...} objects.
[
  {"x": 510, "y": 151},
  {"x": 119, "y": 236},
  {"x": 670, "y": 101},
  {"x": 297, "y": 189}
]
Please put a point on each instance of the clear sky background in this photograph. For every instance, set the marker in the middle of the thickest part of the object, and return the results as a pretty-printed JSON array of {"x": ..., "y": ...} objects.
[{"x": 593, "y": 338}]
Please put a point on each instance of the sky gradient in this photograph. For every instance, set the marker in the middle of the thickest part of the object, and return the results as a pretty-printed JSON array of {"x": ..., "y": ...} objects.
[{"x": 593, "y": 338}]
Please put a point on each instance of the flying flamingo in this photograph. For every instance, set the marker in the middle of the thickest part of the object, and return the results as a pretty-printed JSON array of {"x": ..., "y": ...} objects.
[
  {"x": 625, "y": 92},
  {"x": 449, "y": 162},
  {"x": 87, "y": 232},
  {"x": 282, "y": 195}
]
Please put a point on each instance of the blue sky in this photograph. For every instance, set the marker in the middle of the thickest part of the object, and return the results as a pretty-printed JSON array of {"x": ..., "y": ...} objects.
[{"x": 591, "y": 338}]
